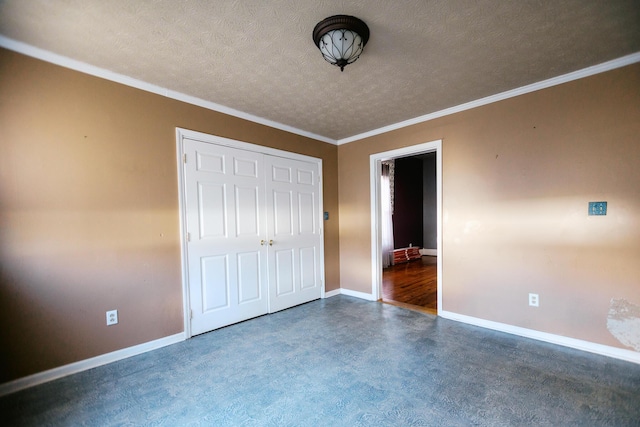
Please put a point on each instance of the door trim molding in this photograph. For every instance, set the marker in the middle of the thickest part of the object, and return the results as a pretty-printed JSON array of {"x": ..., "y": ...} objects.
[
  {"x": 181, "y": 135},
  {"x": 375, "y": 172}
]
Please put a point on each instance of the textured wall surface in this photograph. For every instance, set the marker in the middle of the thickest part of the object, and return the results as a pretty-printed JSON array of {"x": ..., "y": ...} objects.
[
  {"x": 517, "y": 179},
  {"x": 407, "y": 211},
  {"x": 89, "y": 212}
]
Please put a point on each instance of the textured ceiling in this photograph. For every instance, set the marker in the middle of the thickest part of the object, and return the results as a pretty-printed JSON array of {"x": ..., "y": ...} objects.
[{"x": 258, "y": 57}]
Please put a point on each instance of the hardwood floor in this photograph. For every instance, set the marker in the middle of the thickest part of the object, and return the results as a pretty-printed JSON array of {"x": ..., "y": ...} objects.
[{"x": 413, "y": 284}]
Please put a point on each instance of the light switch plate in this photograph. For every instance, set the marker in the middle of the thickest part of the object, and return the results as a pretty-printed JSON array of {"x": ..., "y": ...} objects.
[{"x": 597, "y": 208}]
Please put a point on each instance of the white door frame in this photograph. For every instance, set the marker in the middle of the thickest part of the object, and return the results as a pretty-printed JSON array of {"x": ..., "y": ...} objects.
[
  {"x": 376, "y": 235},
  {"x": 182, "y": 134}
]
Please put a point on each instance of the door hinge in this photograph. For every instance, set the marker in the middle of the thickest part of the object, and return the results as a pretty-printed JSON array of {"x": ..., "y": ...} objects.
[
  {"x": 188, "y": 237},
  {"x": 184, "y": 157},
  {"x": 191, "y": 314}
]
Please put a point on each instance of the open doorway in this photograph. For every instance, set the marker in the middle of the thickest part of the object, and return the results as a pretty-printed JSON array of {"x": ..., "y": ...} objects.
[
  {"x": 415, "y": 277},
  {"x": 409, "y": 209}
]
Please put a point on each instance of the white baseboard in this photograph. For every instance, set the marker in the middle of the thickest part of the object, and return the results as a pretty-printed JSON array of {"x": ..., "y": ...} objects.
[
  {"x": 83, "y": 365},
  {"x": 332, "y": 293},
  {"x": 357, "y": 294},
  {"x": 429, "y": 252},
  {"x": 603, "y": 350},
  {"x": 94, "y": 362}
]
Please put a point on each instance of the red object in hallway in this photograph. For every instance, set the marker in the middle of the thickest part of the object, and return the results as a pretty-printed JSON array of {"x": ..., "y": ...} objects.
[{"x": 405, "y": 255}]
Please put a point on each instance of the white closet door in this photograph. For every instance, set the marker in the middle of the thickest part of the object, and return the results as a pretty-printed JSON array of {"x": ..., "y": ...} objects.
[
  {"x": 293, "y": 224},
  {"x": 225, "y": 221}
]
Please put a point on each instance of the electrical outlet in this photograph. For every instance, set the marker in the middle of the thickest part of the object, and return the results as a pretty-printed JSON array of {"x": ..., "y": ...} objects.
[
  {"x": 534, "y": 300},
  {"x": 112, "y": 317}
]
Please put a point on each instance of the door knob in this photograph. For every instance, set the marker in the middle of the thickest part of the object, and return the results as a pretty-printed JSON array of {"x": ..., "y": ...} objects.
[
  {"x": 270, "y": 242},
  {"x": 261, "y": 242}
]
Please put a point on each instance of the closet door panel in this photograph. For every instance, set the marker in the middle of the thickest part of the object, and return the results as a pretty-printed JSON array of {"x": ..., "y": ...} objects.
[
  {"x": 283, "y": 267},
  {"x": 293, "y": 190},
  {"x": 253, "y": 233},
  {"x": 225, "y": 220}
]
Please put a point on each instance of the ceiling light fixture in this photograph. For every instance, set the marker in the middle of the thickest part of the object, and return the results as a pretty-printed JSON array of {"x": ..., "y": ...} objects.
[{"x": 341, "y": 39}]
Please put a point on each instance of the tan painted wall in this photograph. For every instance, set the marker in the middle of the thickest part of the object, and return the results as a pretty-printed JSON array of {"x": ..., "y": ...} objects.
[
  {"x": 517, "y": 179},
  {"x": 89, "y": 208},
  {"x": 89, "y": 212}
]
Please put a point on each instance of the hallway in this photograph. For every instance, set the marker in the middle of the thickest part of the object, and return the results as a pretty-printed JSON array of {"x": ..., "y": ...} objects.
[{"x": 414, "y": 283}]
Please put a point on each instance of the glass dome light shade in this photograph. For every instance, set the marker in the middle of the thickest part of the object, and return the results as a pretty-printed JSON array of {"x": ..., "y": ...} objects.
[
  {"x": 341, "y": 39},
  {"x": 341, "y": 47}
]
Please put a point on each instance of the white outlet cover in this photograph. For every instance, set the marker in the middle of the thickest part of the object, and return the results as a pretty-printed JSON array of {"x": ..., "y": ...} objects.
[
  {"x": 534, "y": 300},
  {"x": 112, "y": 317}
]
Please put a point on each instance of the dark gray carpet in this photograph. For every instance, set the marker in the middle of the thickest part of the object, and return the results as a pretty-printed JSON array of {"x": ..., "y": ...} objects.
[{"x": 342, "y": 362}]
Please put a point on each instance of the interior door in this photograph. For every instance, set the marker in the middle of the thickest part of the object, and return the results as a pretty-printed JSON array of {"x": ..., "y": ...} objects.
[
  {"x": 225, "y": 222},
  {"x": 295, "y": 271}
]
